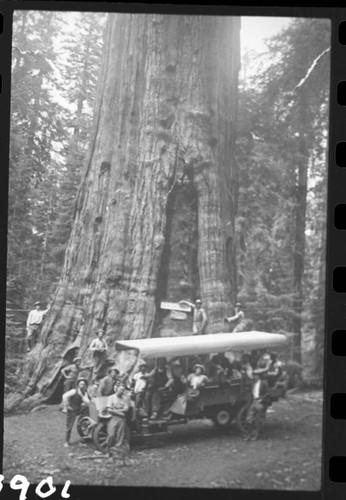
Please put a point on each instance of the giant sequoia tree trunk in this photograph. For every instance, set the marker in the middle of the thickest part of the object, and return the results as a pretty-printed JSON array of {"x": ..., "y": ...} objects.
[{"x": 154, "y": 214}]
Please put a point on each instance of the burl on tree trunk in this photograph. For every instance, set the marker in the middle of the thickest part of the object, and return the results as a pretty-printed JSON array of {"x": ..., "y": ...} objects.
[{"x": 155, "y": 210}]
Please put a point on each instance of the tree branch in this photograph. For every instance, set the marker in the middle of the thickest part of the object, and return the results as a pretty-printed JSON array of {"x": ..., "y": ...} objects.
[{"x": 310, "y": 70}]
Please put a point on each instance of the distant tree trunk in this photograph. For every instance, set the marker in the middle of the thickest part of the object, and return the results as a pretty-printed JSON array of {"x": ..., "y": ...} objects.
[
  {"x": 319, "y": 305},
  {"x": 300, "y": 220},
  {"x": 154, "y": 214}
]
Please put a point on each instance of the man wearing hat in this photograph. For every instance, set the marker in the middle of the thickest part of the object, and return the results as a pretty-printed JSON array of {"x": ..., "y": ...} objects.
[
  {"x": 99, "y": 349},
  {"x": 159, "y": 381},
  {"x": 34, "y": 320},
  {"x": 75, "y": 403},
  {"x": 139, "y": 384},
  {"x": 237, "y": 319},
  {"x": 177, "y": 383},
  {"x": 261, "y": 398},
  {"x": 200, "y": 319},
  {"x": 106, "y": 387},
  {"x": 118, "y": 405}
]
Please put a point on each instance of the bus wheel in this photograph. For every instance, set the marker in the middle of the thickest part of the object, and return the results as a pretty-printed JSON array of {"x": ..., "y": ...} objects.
[
  {"x": 241, "y": 420},
  {"x": 222, "y": 418},
  {"x": 84, "y": 427},
  {"x": 100, "y": 437}
]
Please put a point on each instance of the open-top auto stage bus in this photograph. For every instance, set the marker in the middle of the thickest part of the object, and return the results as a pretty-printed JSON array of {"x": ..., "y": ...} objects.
[{"x": 224, "y": 402}]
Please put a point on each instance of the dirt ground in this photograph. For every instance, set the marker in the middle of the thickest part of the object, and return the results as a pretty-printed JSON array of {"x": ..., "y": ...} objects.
[{"x": 286, "y": 457}]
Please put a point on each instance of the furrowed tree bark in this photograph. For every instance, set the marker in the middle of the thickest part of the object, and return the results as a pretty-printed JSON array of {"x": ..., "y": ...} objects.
[{"x": 154, "y": 215}]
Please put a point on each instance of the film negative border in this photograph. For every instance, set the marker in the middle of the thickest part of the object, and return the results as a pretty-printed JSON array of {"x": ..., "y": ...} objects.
[
  {"x": 5, "y": 67},
  {"x": 334, "y": 442}
]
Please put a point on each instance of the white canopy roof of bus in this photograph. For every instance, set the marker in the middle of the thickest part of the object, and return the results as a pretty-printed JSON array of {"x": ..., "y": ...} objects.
[{"x": 202, "y": 344}]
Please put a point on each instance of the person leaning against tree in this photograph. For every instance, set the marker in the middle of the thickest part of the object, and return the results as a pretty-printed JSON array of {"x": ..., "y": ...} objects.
[
  {"x": 75, "y": 403},
  {"x": 200, "y": 318},
  {"x": 34, "y": 320}
]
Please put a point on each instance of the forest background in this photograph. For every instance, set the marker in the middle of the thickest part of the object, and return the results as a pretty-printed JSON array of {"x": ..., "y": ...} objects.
[{"x": 281, "y": 156}]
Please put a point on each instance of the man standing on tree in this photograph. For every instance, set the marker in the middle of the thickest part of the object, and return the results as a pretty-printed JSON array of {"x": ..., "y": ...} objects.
[
  {"x": 33, "y": 322},
  {"x": 99, "y": 349},
  {"x": 238, "y": 318},
  {"x": 200, "y": 319}
]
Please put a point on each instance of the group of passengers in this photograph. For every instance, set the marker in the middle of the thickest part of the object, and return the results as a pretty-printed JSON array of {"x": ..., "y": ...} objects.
[
  {"x": 145, "y": 393},
  {"x": 150, "y": 386}
]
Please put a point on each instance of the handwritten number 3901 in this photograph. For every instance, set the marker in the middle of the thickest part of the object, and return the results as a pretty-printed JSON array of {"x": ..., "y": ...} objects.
[{"x": 19, "y": 482}]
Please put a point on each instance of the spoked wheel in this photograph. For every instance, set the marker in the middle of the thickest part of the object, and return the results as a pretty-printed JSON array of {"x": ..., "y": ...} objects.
[
  {"x": 84, "y": 427},
  {"x": 222, "y": 418},
  {"x": 100, "y": 436},
  {"x": 241, "y": 420}
]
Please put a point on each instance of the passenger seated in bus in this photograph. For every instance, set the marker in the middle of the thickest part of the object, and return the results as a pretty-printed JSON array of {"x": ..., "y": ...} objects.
[
  {"x": 247, "y": 369},
  {"x": 275, "y": 372},
  {"x": 219, "y": 368},
  {"x": 139, "y": 384},
  {"x": 194, "y": 360},
  {"x": 177, "y": 383},
  {"x": 158, "y": 379},
  {"x": 195, "y": 381},
  {"x": 236, "y": 373},
  {"x": 198, "y": 378}
]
